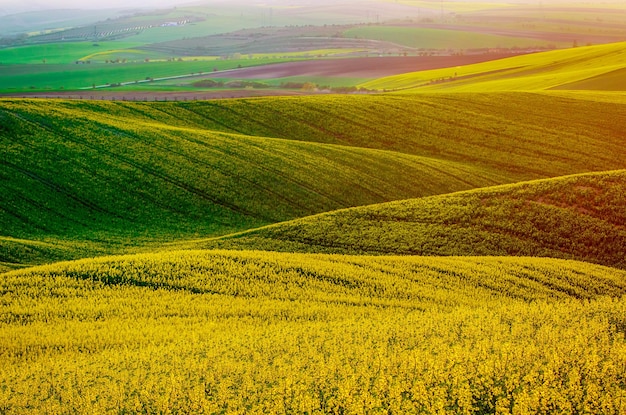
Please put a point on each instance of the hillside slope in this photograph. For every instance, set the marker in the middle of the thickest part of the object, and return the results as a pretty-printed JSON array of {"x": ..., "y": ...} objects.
[
  {"x": 258, "y": 332},
  {"x": 526, "y": 135},
  {"x": 81, "y": 179},
  {"x": 591, "y": 67},
  {"x": 396, "y": 281},
  {"x": 84, "y": 178},
  {"x": 577, "y": 217}
]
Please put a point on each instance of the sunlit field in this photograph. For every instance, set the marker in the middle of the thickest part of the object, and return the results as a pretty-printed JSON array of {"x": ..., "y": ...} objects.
[
  {"x": 256, "y": 332},
  {"x": 562, "y": 69}
]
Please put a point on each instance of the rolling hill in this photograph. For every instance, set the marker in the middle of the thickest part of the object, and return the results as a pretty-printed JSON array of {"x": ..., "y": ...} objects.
[
  {"x": 575, "y": 217},
  {"x": 590, "y": 67},
  {"x": 83, "y": 178}
]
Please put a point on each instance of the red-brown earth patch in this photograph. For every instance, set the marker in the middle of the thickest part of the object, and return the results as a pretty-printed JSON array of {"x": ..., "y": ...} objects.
[{"x": 372, "y": 67}]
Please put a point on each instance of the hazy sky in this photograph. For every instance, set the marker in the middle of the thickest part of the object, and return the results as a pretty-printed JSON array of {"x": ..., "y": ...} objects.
[{"x": 15, "y": 6}]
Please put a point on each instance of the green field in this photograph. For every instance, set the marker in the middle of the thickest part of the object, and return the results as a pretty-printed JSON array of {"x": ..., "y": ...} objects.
[
  {"x": 61, "y": 53},
  {"x": 192, "y": 175},
  {"x": 234, "y": 30},
  {"x": 190, "y": 170},
  {"x": 54, "y": 77},
  {"x": 575, "y": 217}
]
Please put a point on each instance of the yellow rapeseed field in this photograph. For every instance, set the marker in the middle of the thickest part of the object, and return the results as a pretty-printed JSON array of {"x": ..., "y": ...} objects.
[{"x": 257, "y": 332}]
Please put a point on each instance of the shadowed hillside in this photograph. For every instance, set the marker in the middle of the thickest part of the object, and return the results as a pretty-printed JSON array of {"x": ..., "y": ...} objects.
[
  {"x": 83, "y": 179},
  {"x": 577, "y": 217},
  {"x": 89, "y": 178}
]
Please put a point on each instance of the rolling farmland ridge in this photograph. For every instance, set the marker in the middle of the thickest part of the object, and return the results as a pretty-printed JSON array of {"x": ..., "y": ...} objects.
[
  {"x": 574, "y": 217},
  {"x": 584, "y": 68}
]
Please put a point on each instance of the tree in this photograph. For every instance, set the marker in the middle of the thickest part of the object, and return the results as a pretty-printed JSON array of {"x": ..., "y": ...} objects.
[{"x": 309, "y": 87}]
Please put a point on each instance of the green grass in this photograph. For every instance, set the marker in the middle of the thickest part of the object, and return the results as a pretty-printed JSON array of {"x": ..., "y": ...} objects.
[
  {"x": 106, "y": 175},
  {"x": 576, "y": 217},
  {"x": 59, "y": 53},
  {"x": 512, "y": 133},
  {"x": 425, "y": 38},
  {"x": 433, "y": 148},
  {"x": 532, "y": 72},
  {"x": 189, "y": 170},
  {"x": 29, "y": 78},
  {"x": 257, "y": 332}
]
